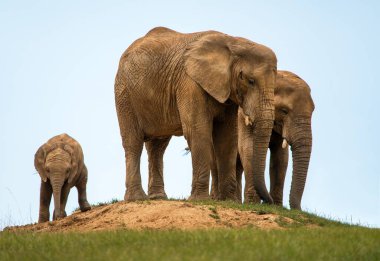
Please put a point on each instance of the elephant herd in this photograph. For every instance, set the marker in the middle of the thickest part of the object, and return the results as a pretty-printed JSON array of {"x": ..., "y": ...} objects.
[{"x": 224, "y": 94}]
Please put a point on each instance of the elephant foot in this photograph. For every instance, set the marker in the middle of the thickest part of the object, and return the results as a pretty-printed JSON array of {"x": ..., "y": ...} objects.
[
  {"x": 84, "y": 206},
  {"x": 277, "y": 197},
  {"x": 214, "y": 197},
  {"x": 252, "y": 200},
  {"x": 61, "y": 215},
  {"x": 234, "y": 199},
  {"x": 43, "y": 218},
  {"x": 137, "y": 195},
  {"x": 199, "y": 197},
  {"x": 228, "y": 197},
  {"x": 158, "y": 195}
]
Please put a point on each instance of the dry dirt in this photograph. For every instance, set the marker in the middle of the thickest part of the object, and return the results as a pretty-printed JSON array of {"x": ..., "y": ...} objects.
[{"x": 157, "y": 215}]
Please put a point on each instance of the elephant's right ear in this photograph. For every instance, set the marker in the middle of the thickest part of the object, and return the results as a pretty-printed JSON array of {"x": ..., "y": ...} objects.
[
  {"x": 208, "y": 62},
  {"x": 39, "y": 162}
]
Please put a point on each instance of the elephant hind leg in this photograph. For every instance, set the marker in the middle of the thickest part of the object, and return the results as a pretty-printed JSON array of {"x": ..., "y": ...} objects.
[
  {"x": 46, "y": 192},
  {"x": 133, "y": 147},
  {"x": 133, "y": 142},
  {"x": 156, "y": 149}
]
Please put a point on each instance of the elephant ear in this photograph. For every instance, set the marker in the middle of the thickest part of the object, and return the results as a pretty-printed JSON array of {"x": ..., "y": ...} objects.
[
  {"x": 74, "y": 162},
  {"x": 208, "y": 62},
  {"x": 39, "y": 161}
]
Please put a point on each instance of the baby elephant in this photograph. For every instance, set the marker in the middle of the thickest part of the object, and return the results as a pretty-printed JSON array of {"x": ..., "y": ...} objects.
[{"x": 60, "y": 164}]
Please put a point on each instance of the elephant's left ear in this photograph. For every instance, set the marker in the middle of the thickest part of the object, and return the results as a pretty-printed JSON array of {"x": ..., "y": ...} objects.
[
  {"x": 39, "y": 162},
  {"x": 208, "y": 62},
  {"x": 74, "y": 162}
]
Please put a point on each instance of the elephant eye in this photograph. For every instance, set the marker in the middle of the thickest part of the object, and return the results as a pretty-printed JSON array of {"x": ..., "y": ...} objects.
[
  {"x": 47, "y": 170},
  {"x": 284, "y": 111},
  {"x": 251, "y": 81},
  {"x": 67, "y": 171}
]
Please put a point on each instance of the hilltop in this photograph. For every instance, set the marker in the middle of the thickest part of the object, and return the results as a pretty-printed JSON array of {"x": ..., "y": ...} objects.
[
  {"x": 181, "y": 230},
  {"x": 174, "y": 214}
]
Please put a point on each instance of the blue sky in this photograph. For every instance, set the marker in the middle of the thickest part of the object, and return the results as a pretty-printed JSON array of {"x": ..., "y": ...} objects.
[{"x": 57, "y": 67}]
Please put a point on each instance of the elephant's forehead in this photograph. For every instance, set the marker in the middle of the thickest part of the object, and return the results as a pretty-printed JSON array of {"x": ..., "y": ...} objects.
[{"x": 58, "y": 154}]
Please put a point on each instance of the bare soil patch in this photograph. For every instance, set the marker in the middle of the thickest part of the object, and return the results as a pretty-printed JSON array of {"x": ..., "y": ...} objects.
[{"x": 158, "y": 215}]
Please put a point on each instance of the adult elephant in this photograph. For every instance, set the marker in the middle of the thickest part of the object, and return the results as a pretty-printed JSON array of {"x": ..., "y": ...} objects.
[
  {"x": 293, "y": 111},
  {"x": 169, "y": 83}
]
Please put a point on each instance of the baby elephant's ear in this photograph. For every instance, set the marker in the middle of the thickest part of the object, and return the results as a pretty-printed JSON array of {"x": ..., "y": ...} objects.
[
  {"x": 39, "y": 162},
  {"x": 74, "y": 162}
]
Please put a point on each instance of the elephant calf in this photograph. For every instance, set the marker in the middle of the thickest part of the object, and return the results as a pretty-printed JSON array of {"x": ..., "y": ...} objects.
[{"x": 60, "y": 164}]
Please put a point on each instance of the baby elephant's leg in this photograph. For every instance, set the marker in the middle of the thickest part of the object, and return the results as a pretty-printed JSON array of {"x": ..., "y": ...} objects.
[
  {"x": 64, "y": 195},
  {"x": 46, "y": 192},
  {"x": 82, "y": 195}
]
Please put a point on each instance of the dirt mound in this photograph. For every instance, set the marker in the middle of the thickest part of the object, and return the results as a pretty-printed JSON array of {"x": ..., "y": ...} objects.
[{"x": 158, "y": 215}]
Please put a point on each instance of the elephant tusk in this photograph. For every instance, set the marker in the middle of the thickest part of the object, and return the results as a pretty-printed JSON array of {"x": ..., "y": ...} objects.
[
  {"x": 247, "y": 121},
  {"x": 284, "y": 144}
]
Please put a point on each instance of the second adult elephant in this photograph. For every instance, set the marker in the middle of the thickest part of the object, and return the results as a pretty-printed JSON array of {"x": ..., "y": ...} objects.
[
  {"x": 294, "y": 107},
  {"x": 169, "y": 83}
]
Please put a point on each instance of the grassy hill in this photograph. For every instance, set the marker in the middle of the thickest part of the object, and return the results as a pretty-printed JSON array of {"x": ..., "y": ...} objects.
[{"x": 205, "y": 231}]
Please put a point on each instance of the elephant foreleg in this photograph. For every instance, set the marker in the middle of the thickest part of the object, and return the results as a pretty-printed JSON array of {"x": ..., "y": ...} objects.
[
  {"x": 156, "y": 149},
  {"x": 64, "y": 196},
  {"x": 278, "y": 164},
  {"x": 245, "y": 147},
  {"x": 225, "y": 147},
  {"x": 82, "y": 191},
  {"x": 200, "y": 144},
  {"x": 46, "y": 192},
  {"x": 197, "y": 129}
]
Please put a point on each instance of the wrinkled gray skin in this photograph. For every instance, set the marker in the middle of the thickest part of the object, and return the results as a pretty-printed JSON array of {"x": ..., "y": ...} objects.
[
  {"x": 293, "y": 111},
  {"x": 60, "y": 164},
  {"x": 169, "y": 83}
]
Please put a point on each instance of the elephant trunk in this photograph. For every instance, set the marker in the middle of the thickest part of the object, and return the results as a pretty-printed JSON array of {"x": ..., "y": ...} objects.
[
  {"x": 262, "y": 134},
  {"x": 301, "y": 144},
  {"x": 57, "y": 184}
]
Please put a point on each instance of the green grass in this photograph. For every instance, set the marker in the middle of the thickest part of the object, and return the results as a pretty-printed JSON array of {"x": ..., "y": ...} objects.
[
  {"x": 301, "y": 218},
  {"x": 339, "y": 243},
  {"x": 327, "y": 240}
]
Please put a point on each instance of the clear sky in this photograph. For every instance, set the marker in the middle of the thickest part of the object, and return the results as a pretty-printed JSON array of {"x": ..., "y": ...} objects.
[{"x": 57, "y": 67}]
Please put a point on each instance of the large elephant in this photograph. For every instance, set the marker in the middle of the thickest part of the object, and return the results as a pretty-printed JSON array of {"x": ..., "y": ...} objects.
[
  {"x": 169, "y": 83},
  {"x": 60, "y": 164},
  {"x": 293, "y": 111}
]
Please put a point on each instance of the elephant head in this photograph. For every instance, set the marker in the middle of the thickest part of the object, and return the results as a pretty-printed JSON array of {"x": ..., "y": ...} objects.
[
  {"x": 56, "y": 163},
  {"x": 243, "y": 72},
  {"x": 293, "y": 111}
]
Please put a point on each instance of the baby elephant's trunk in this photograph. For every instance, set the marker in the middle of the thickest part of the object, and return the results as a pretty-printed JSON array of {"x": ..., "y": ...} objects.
[{"x": 57, "y": 184}]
